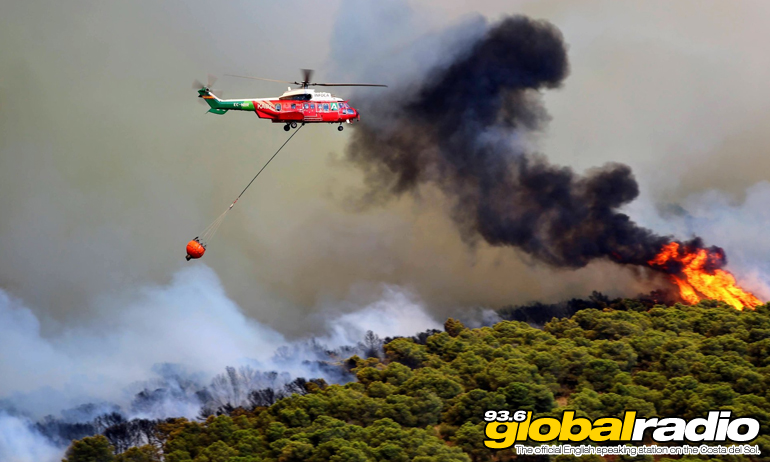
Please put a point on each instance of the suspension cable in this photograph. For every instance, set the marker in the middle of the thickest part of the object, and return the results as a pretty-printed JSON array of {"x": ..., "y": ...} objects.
[
  {"x": 264, "y": 166},
  {"x": 208, "y": 233}
]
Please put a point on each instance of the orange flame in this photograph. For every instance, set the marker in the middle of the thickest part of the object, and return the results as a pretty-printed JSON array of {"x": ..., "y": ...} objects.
[{"x": 696, "y": 282}]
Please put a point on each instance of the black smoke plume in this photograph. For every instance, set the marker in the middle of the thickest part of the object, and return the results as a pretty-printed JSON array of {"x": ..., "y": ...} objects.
[{"x": 464, "y": 129}]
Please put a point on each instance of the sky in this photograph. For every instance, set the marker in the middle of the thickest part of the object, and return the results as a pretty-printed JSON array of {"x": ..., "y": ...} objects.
[{"x": 108, "y": 166}]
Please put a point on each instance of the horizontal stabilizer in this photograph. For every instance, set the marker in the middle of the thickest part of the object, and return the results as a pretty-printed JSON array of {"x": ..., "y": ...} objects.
[{"x": 217, "y": 111}]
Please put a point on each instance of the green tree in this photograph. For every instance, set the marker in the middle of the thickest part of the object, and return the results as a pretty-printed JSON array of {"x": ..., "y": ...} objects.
[
  {"x": 296, "y": 451},
  {"x": 217, "y": 452},
  {"x": 470, "y": 438},
  {"x": 90, "y": 449},
  {"x": 600, "y": 373},
  {"x": 406, "y": 352},
  {"x": 349, "y": 454},
  {"x": 453, "y": 327},
  {"x": 146, "y": 453},
  {"x": 434, "y": 381}
]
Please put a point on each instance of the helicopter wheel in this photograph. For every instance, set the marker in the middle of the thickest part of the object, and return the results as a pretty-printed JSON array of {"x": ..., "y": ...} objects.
[
  {"x": 286, "y": 127},
  {"x": 340, "y": 128},
  {"x": 294, "y": 125}
]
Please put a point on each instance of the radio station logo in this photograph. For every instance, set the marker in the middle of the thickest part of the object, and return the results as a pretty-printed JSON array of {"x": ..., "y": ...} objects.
[{"x": 504, "y": 429}]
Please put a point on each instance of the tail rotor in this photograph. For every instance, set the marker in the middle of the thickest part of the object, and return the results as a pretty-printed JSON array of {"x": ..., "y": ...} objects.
[
  {"x": 206, "y": 88},
  {"x": 210, "y": 80}
]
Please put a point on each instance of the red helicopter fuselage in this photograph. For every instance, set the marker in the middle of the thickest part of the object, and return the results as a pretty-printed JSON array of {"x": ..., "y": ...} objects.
[
  {"x": 311, "y": 111},
  {"x": 294, "y": 106}
]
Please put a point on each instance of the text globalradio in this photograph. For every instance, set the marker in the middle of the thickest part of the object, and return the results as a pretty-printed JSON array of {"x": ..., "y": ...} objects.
[{"x": 505, "y": 428}]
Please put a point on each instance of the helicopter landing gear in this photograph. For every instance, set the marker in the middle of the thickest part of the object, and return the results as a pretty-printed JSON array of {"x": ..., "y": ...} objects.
[
  {"x": 286, "y": 127},
  {"x": 294, "y": 125},
  {"x": 340, "y": 128}
]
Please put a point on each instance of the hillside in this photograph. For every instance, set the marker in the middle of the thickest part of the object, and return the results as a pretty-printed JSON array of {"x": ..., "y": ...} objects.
[{"x": 425, "y": 400}]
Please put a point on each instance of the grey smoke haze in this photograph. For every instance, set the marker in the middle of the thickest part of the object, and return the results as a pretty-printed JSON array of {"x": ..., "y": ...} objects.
[{"x": 108, "y": 166}]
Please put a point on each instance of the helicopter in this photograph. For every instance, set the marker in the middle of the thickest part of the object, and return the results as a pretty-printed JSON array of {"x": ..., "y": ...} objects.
[{"x": 295, "y": 106}]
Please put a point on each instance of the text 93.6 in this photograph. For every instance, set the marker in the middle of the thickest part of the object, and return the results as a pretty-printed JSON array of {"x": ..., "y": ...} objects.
[{"x": 505, "y": 416}]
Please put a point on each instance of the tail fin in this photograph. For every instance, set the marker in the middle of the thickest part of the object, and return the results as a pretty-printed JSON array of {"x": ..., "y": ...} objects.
[{"x": 214, "y": 103}]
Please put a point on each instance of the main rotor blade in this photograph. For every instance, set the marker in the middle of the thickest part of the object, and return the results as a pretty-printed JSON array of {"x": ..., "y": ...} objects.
[
  {"x": 306, "y": 75},
  {"x": 259, "y": 78},
  {"x": 346, "y": 85}
]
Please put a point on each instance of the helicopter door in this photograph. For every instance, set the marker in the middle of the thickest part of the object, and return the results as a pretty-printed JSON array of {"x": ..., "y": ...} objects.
[{"x": 310, "y": 111}]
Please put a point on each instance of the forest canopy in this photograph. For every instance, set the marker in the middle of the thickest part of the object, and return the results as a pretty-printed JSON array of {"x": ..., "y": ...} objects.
[{"x": 424, "y": 399}]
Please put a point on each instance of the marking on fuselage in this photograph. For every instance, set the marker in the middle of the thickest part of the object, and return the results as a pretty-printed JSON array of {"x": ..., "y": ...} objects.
[{"x": 265, "y": 105}]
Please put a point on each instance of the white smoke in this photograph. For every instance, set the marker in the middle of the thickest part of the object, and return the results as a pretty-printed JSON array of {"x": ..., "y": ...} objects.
[
  {"x": 20, "y": 442},
  {"x": 396, "y": 313},
  {"x": 190, "y": 321}
]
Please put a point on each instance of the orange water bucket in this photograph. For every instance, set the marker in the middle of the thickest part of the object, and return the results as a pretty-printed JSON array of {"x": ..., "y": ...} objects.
[{"x": 195, "y": 249}]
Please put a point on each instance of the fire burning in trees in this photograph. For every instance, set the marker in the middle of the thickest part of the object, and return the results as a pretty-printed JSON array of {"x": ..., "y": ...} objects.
[{"x": 697, "y": 272}]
